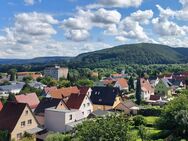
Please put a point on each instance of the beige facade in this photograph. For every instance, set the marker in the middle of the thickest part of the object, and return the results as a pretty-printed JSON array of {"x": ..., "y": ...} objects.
[
  {"x": 106, "y": 107},
  {"x": 25, "y": 122}
]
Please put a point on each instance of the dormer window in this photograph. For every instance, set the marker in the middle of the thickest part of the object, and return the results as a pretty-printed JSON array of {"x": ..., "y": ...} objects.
[{"x": 100, "y": 100}]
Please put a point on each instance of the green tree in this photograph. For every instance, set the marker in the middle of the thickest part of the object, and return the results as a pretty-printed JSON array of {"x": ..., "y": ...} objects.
[
  {"x": 58, "y": 137},
  {"x": 4, "y": 136},
  {"x": 114, "y": 127},
  {"x": 143, "y": 133},
  {"x": 131, "y": 83},
  {"x": 174, "y": 116},
  {"x": 85, "y": 82},
  {"x": 27, "y": 79},
  {"x": 138, "y": 91},
  {"x": 139, "y": 120},
  {"x": 12, "y": 73}
]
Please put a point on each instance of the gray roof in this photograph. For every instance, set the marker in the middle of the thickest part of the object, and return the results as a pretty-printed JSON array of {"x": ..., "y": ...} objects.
[
  {"x": 100, "y": 113},
  {"x": 12, "y": 86},
  {"x": 166, "y": 82}
]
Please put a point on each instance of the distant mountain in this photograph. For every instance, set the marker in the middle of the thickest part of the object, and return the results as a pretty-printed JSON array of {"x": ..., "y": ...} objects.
[
  {"x": 181, "y": 50},
  {"x": 143, "y": 53},
  {"x": 39, "y": 60}
]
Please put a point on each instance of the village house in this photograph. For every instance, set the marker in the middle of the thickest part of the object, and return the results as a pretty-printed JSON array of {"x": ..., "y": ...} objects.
[
  {"x": 62, "y": 120},
  {"x": 30, "y": 98},
  {"x": 146, "y": 89},
  {"x": 18, "y": 119},
  {"x": 127, "y": 106},
  {"x": 33, "y": 75},
  {"x": 46, "y": 103},
  {"x": 60, "y": 93},
  {"x": 163, "y": 88},
  {"x": 14, "y": 87},
  {"x": 56, "y": 72},
  {"x": 37, "y": 85},
  {"x": 80, "y": 102},
  {"x": 105, "y": 98},
  {"x": 122, "y": 84}
]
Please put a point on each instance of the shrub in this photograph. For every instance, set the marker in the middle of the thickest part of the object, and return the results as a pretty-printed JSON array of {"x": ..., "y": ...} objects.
[{"x": 139, "y": 120}]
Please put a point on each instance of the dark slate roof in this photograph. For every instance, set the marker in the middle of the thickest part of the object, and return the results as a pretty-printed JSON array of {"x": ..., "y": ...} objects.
[
  {"x": 10, "y": 115},
  {"x": 46, "y": 103},
  {"x": 175, "y": 82},
  {"x": 75, "y": 101},
  {"x": 104, "y": 95}
]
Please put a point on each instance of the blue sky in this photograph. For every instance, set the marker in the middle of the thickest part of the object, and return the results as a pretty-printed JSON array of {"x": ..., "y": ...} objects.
[{"x": 33, "y": 28}]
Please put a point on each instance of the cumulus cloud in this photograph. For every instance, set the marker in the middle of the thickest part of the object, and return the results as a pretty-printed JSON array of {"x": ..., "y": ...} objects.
[
  {"x": 116, "y": 3},
  {"x": 77, "y": 28},
  {"x": 77, "y": 35},
  {"x": 164, "y": 26},
  {"x": 131, "y": 27},
  {"x": 32, "y": 35}
]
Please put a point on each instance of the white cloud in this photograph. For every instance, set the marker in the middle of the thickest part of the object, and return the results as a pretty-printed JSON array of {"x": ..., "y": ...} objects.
[
  {"x": 142, "y": 16},
  {"x": 77, "y": 35},
  {"x": 121, "y": 39},
  {"x": 116, "y": 3},
  {"x": 29, "y": 2},
  {"x": 77, "y": 28},
  {"x": 164, "y": 26}
]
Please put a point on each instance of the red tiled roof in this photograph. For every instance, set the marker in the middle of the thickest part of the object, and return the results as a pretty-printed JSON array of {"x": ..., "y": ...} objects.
[
  {"x": 1, "y": 105},
  {"x": 146, "y": 86},
  {"x": 62, "y": 92},
  {"x": 31, "y": 99},
  {"x": 123, "y": 82},
  {"x": 75, "y": 101},
  {"x": 83, "y": 90}
]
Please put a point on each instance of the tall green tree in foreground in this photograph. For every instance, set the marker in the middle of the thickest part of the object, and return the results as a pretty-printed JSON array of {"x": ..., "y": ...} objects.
[
  {"x": 175, "y": 116},
  {"x": 111, "y": 128},
  {"x": 138, "y": 91}
]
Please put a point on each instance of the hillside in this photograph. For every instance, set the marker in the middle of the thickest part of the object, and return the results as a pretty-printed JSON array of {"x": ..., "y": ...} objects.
[
  {"x": 143, "y": 53},
  {"x": 38, "y": 60}
]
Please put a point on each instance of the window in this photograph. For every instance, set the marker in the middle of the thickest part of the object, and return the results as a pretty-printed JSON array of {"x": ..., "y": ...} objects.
[
  {"x": 70, "y": 117},
  {"x": 26, "y": 112},
  {"x": 84, "y": 105},
  {"x": 19, "y": 135},
  {"x": 89, "y": 111},
  {"x": 82, "y": 113},
  {"x": 100, "y": 100},
  {"x": 88, "y": 104},
  {"x": 22, "y": 123},
  {"x": 29, "y": 122}
]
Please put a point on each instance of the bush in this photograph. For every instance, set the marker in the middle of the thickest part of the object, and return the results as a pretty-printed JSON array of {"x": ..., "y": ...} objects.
[
  {"x": 139, "y": 120},
  {"x": 150, "y": 112}
]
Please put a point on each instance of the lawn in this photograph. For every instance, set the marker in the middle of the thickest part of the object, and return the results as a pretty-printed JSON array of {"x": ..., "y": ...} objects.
[{"x": 151, "y": 120}]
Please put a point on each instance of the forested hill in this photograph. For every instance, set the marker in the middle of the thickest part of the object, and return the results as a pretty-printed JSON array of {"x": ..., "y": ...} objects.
[{"x": 143, "y": 53}]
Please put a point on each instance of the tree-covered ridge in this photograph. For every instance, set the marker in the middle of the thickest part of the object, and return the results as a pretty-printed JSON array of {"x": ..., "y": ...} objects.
[{"x": 143, "y": 53}]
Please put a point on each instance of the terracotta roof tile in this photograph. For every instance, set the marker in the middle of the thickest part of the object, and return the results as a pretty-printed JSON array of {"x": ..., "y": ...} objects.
[
  {"x": 31, "y": 99},
  {"x": 146, "y": 86},
  {"x": 83, "y": 90},
  {"x": 123, "y": 82},
  {"x": 62, "y": 92}
]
